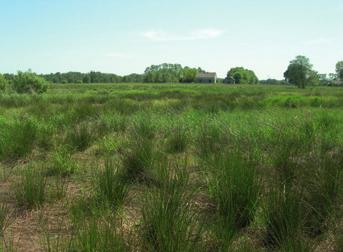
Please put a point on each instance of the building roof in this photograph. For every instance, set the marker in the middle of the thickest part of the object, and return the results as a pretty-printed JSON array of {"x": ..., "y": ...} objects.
[{"x": 206, "y": 75}]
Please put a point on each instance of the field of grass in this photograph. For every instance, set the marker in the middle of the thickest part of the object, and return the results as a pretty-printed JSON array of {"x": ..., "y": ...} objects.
[{"x": 142, "y": 167}]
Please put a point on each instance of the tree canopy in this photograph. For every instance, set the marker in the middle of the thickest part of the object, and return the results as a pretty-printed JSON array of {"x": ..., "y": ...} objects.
[
  {"x": 171, "y": 73},
  {"x": 300, "y": 72},
  {"x": 240, "y": 75}
]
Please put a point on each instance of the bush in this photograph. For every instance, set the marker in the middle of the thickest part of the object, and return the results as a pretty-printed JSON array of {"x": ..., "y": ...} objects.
[{"x": 28, "y": 82}]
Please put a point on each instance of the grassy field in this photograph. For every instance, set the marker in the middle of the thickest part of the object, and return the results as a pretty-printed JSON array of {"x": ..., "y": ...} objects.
[{"x": 141, "y": 167}]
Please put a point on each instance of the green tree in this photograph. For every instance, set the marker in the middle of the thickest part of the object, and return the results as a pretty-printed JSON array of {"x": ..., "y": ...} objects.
[
  {"x": 300, "y": 73},
  {"x": 339, "y": 70},
  {"x": 188, "y": 75},
  {"x": 28, "y": 82},
  {"x": 240, "y": 75},
  {"x": 163, "y": 73},
  {"x": 3, "y": 83}
]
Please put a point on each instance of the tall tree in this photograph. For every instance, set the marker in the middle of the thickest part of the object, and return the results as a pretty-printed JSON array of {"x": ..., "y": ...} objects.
[
  {"x": 300, "y": 72},
  {"x": 339, "y": 70},
  {"x": 240, "y": 75}
]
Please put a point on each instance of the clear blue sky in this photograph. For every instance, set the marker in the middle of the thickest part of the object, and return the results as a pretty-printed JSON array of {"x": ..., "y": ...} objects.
[{"x": 125, "y": 36}]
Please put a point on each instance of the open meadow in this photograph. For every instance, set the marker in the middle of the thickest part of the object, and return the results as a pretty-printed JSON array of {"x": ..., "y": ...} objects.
[{"x": 172, "y": 167}]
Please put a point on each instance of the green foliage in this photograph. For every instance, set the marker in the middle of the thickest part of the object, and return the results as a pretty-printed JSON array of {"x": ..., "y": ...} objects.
[
  {"x": 28, "y": 82},
  {"x": 300, "y": 73},
  {"x": 30, "y": 192},
  {"x": 240, "y": 75}
]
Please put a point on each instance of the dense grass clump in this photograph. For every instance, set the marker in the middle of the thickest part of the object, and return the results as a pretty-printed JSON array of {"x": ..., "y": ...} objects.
[
  {"x": 283, "y": 214},
  {"x": 62, "y": 164},
  {"x": 81, "y": 136},
  {"x": 98, "y": 235},
  {"x": 167, "y": 221},
  {"x": 30, "y": 192},
  {"x": 17, "y": 139},
  {"x": 111, "y": 189},
  {"x": 178, "y": 140},
  {"x": 4, "y": 218},
  {"x": 234, "y": 189}
]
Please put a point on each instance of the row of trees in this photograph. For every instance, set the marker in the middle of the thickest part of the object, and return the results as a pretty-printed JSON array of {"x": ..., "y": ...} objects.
[
  {"x": 163, "y": 73},
  {"x": 173, "y": 73},
  {"x": 299, "y": 72}
]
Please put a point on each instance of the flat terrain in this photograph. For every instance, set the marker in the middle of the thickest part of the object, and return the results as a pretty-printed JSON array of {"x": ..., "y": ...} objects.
[{"x": 148, "y": 167}]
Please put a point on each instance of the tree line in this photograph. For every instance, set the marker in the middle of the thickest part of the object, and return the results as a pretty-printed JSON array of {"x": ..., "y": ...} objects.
[{"x": 300, "y": 72}]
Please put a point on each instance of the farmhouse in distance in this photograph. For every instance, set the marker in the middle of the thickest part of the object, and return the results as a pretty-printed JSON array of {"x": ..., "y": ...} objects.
[{"x": 206, "y": 77}]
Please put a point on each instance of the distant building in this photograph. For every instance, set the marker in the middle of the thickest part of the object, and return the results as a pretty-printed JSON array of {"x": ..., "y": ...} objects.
[{"x": 206, "y": 78}]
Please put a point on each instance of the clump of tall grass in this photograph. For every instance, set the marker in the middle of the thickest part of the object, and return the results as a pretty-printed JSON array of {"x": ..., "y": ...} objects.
[
  {"x": 98, "y": 235},
  {"x": 211, "y": 138},
  {"x": 30, "y": 191},
  {"x": 234, "y": 189},
  {"x": 58, "y": 188},
  {"x": 81, "y": 136},
  {"x": 139, "y": 160},
  {"x": 322, "y": 190},
  {"x": 283, "y": 215},
  {"x": 4, "y": 218},
  {"x": 17, "y": 139},
  {"x": 111, "y": 189},
  {"x": 62, "y": 163},
  {"x": 167, "y": 221},
  {"x": 142, "y": 127},
  {"x": 178, "y": 140}
]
